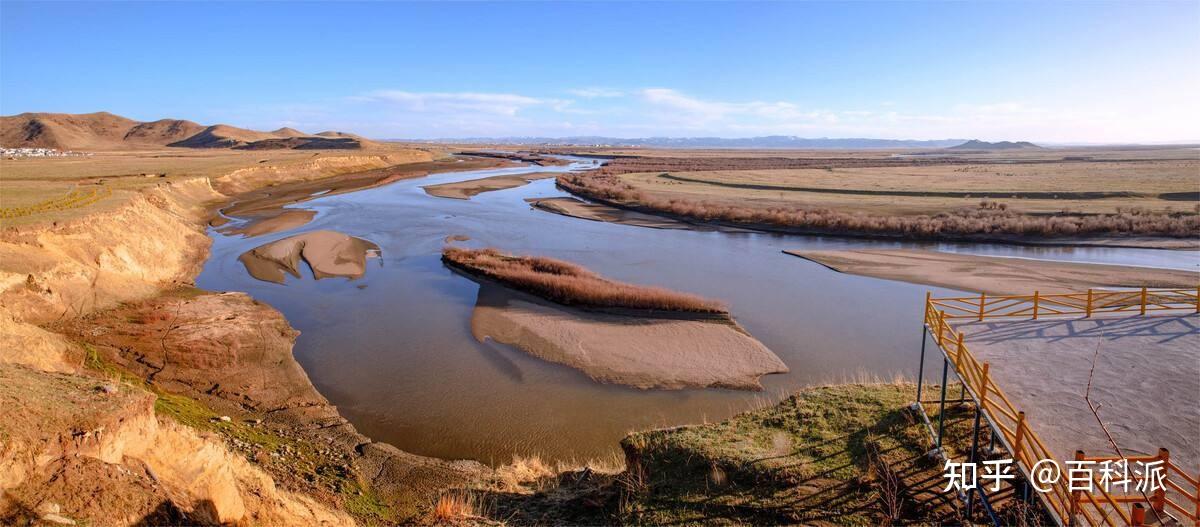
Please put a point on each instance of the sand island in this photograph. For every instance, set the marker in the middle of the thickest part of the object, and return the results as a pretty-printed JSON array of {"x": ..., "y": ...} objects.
[{"x": 645, "y": 337}]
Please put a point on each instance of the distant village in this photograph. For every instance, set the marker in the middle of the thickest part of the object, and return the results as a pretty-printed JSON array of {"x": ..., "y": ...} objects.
[{"x": 38, "y": 152}]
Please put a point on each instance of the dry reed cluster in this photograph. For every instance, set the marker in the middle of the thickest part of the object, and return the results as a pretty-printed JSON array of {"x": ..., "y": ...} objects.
[
  {"x": 966, "y": 222},
  {"x": 632, "y": 164},
  {"x": 570, "y": 284}
]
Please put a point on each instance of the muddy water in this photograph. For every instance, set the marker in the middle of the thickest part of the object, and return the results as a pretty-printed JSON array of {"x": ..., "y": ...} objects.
[{"x": 394, "y": 351}]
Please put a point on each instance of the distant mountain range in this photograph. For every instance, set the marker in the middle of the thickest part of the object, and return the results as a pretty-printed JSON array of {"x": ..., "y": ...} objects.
[
  {"x": 771, "y": 141},
  {"x": 106, "y": 131},
  {"x": 976, "y": 144}
]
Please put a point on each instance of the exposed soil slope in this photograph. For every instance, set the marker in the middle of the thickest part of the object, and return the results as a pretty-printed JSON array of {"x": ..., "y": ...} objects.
[
  {"x": 79, "y": 448},
  {"x": 234, "y": 355},
  {"x": 210, "y": 377}
]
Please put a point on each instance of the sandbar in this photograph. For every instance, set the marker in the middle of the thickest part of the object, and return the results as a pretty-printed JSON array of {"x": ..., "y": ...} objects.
[
  {"x": 642, "y": 352},
  {"x": 992, "y": 274},
  {"x": 469, "y": 188},
  {"x": 327, "y": 253}
]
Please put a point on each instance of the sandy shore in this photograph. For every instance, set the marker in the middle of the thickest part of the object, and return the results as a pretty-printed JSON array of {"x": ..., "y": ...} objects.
[
  {"x": 327, "y": 253},
  {"x": 993, "y": 275},
  {"x": 286, "y": 219},
  {"x": 467, "y": 189},
  {"x": 640, "y": 352},
  {"x": 576, "y": 208}
]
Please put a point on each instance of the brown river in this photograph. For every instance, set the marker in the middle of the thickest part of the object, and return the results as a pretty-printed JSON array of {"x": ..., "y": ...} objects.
[{"x": 394, "y": 351}]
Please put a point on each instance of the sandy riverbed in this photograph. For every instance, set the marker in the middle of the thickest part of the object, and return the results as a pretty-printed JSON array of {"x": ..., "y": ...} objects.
[
  {"x": 993, "y": 275},
  {"x": 643, "y": 352}
]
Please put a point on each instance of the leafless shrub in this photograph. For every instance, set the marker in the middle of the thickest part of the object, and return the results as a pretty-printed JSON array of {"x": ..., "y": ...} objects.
[{"x": 886, "y": 481}]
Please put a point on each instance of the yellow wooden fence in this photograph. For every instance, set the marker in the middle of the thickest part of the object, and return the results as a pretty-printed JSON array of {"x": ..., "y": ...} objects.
[{"x": 1096, "y": 507}]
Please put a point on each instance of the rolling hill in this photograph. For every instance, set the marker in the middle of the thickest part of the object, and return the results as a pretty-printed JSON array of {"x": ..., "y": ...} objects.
[
  {"x": 978, "y": 145},
  {"x": 105, "y": 131}
]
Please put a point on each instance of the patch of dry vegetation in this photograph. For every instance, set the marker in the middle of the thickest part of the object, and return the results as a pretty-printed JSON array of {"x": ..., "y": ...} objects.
[
  {"x": 570, "y": 284},
  {"x": 988, "y": 220}
]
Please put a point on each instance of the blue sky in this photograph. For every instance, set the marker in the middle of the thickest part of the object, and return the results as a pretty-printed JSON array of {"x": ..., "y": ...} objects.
[{"x": 1066, "y": 72}]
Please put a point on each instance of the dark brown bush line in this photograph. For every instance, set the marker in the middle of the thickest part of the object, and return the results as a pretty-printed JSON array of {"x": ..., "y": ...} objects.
[
  {"x": 569, "y": 284},
  {"x": 985, "y": 221},
  {"x": 629, "y": 165}
]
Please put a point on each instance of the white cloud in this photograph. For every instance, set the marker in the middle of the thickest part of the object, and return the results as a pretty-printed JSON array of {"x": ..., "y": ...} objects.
[
  {"x": 659, "y": 111},
  {"x": 596, "y": 93},
  {"x": 471, "y": 102}
]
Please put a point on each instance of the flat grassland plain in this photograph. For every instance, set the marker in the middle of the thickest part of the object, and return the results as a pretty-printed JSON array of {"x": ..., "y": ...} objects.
[
  {"x": 37, "y": 189},
  {"x": 1039, "y": 192}
]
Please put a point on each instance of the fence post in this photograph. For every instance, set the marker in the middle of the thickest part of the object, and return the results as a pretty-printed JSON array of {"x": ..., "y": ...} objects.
[
  {"x": 1020, "y": 430},
  {"x": 1137, "y": 516},
  {"x": 1089, "y": 302},
  {"x": 942, "y": 402},
  {"x": 983, "y": 386},
  {"x": 1159, "y": 500},
  {"x": 982, "y": 301},
  {"x": 921, "y": 366},
  {"x": 1143, "y": 300},
  {"x": 1075, "y": 494},
  {"x": 1035, "y": 305},
  {"x": 941, "y": 329},
  {"x": 958, "y": 353}
]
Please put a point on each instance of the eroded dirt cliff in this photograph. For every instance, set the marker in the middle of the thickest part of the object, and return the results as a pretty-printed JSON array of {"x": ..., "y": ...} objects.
[{"x": 131, "y": 397}]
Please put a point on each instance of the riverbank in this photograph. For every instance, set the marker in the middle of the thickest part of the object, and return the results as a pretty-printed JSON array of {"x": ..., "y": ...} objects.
[
  {"x": 83, "y": 304},
  {"x": 994, "y": 275},
  {"x": 1020, "y": 202}
]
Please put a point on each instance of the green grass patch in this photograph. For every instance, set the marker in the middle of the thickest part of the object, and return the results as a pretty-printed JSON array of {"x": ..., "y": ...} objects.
[{"x": 808, "y": 458}]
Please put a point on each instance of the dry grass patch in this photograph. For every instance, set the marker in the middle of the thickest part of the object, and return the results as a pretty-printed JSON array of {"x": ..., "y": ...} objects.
[
  {"x": 569, "y": 284},
  {"x": 986, "y": 220}
]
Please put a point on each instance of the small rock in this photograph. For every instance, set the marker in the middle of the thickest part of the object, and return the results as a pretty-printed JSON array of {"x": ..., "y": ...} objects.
[
  {"x": 56, "y": 519},
  {"x": 108, "y": 388}
]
